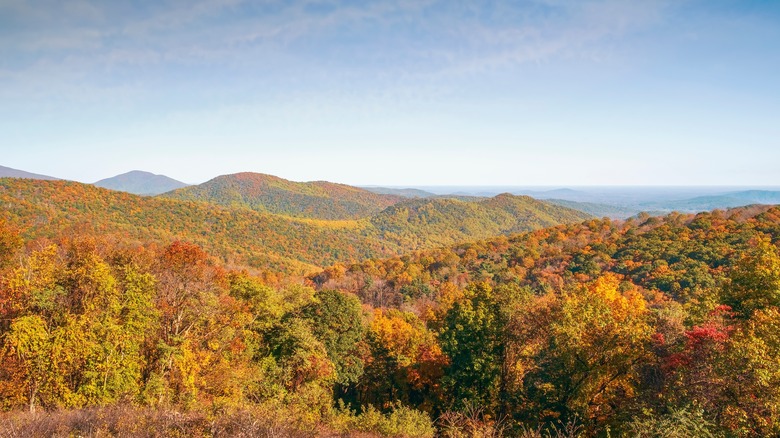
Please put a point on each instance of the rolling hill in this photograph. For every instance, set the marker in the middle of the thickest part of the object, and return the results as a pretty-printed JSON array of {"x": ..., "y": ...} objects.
[
  {"x": 51, "y": 209},
  {"x": 442, "y": 221},
  {"x": 267, "y": 193},
  {"x": 7, "y": 172},
  {"x": 757, "y": 196},
  {"x": 597, "y": 209},
  {"x": 679, "y": 255},
  {"x": 718, "y": 201},
  {"x": 141, "y": 183},
  {"x": 406, "y": 193},
  {"x": 268, "y": 241}
]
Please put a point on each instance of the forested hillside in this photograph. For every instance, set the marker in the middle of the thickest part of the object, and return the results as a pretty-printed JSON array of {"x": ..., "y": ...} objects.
[
  {"x": 679, "y": 254},
  {"x": 239, "y": 236},
  {"x": 567, "y": 223},
  {"x": 444, "y": 221},
  {"x": 267, "y": 193},
  {"x": 649, "y": 327}
]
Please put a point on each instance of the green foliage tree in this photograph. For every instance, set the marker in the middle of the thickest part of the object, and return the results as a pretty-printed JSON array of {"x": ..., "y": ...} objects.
[
  {"x": 337, "y": 320},
  {"x": 472, "y": 338}
]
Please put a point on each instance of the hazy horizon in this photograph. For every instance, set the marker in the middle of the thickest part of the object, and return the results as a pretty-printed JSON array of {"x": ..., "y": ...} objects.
[{"x": 489, "y": 189}]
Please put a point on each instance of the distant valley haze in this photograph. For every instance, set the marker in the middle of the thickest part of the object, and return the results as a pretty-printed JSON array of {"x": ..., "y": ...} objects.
[{"x": 618, "y": 202}]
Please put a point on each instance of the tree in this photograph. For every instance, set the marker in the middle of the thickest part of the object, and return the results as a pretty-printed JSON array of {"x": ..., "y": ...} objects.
[
  {"x": 28, "y": 340},
  {"x": 473, "y": 338},
  {"x": 10, "y": 243},
  {"x": 405, "y": 364},
  {"x": 337, "y": 320},
  {"x": 597, "y": 342},
  {"x": 750, "y": 371},
  {"x": 186, "y": 291},
  {"x": 754, "y": 283}
]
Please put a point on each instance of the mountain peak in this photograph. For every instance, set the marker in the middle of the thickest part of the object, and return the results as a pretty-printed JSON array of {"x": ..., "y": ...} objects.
[
  {"x": 7, "y": 172},
  {"x": 139, "y": 173},
  {"x": 268, "y": 193},
  {"x": 140, "y": 182}
]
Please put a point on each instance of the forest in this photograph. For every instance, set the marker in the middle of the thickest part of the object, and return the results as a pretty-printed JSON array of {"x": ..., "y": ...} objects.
[
  {"x": 652, "y": 326},
  {"x": 255, "y": 237}
]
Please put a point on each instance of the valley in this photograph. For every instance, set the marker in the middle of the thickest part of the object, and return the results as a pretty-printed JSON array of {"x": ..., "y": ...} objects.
[
  {"x": 255, "y": 233},
  {"x": 349, "y": 311}
]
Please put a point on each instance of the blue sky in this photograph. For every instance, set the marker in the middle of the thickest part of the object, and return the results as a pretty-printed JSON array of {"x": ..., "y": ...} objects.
[{"x": 545, "y": 92}]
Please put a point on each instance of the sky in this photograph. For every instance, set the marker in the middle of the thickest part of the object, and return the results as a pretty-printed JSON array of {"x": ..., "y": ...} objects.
[{"x": 401, "y": 93}]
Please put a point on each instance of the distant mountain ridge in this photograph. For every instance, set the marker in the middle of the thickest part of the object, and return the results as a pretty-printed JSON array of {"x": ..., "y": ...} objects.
[
  {"x": 624, "y": 205},
  {"x": 722, "y": 201},
  {"x": 7, "y": 172},
  {"x": 139, "y": 182},
  {"x": 406, "y": 193},
  {"x": 248, "y": 238},
  {"x": 757, "y": 196},
  {"x": 596, "y": 209},
  {"x": 268, "y": 193},
  {"x": 442, "y": 221}
]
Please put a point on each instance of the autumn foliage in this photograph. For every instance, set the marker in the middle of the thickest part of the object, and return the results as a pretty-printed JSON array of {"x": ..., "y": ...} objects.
[{"x": 634, "y": 328}]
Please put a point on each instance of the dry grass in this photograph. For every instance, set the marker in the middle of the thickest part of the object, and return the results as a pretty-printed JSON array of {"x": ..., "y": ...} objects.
[{"x": 130, "y": 421}]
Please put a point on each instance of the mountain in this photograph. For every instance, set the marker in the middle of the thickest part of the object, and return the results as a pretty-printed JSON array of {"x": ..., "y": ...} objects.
[
  {"x": 694, "y": 251},
  {"x": 442, "y": 221},
  {"x": 757, "y": 196},
  {"x": 699, "y": 203},
  {"x": 262, "y": 240},
  {"x": 564, "y": 193},
  {"x": 406, "y": 193},
  {"x": 7, "y": 172},
  {"x": 267, "y": 193},
  {"x": 141, "y": 183},
  {"x": 597, "y": 209},
  {"x": 720, "y": 201},
  {"x": 529, "y": 213},
  {"x": 51, "y": 209}
]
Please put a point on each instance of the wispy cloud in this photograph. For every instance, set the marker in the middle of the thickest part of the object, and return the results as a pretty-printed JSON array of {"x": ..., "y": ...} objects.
[
  {"x": 85, "y": 49},
  {"x": 228, "y": 28}
]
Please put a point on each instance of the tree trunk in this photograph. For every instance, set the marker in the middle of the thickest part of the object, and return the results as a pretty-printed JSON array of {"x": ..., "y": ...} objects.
[{"x": 33, "y": 395}]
